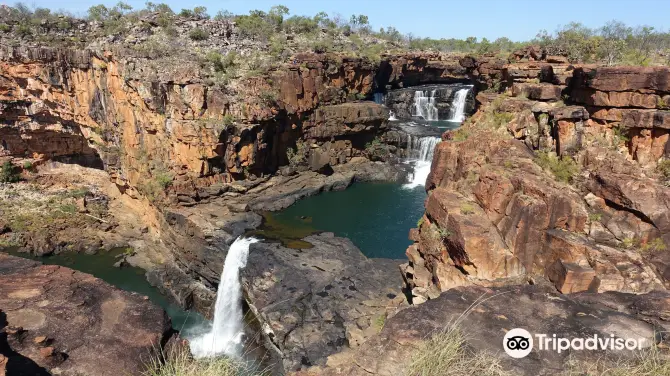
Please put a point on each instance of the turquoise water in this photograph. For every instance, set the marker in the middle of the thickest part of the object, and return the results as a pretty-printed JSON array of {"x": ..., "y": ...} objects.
[
  {"x": 376, "y": 217},
  {"x": 128, "y": 278}
]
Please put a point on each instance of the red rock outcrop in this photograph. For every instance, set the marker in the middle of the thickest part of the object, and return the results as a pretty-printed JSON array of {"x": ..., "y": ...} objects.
[
  {"x": 605, "y": 230},
  {"x": 55, "y": 318}
]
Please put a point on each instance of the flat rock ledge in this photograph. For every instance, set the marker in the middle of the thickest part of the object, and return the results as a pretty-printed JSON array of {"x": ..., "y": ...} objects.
[
  {"x": 494, "y": 311},
  {"x": 58, "y": 321},
  {"x": 316, "y": 302}
]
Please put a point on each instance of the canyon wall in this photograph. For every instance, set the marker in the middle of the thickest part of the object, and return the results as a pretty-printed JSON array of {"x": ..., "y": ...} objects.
[{"x": 560, "y": 177}]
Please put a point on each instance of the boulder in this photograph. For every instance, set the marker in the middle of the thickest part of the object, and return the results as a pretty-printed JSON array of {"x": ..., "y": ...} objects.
[
  {"x": 483, "y": 316},
  {"x": 74, "y": 323},
  {"x": 319, "y": 301}
]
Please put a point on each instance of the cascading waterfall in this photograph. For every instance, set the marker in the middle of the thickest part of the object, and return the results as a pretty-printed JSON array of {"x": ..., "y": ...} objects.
[
  {"x": 457, "y": 111},
  {"x": 392, "y": 116},
  {"x": 227, "y": 331},
  {"x": 424, "y": 105},
  {"x": 421, "y": 152}
]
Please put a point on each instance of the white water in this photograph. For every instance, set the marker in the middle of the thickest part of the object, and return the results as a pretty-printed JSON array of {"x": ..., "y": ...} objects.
[
  {"x": 392, "y": 116},
  {"x": 228, "y": 326},
  {"x": 457, "y": 111},
  {"x": 421, "y": 153},
  {"x": 424, "y": 105}
]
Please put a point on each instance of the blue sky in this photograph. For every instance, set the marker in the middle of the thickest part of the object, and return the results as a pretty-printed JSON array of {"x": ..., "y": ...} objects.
[{"x": 516, "y": 19}]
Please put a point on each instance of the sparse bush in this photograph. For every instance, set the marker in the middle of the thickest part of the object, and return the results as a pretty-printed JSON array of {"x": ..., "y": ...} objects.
[
  {"x": 653, "y": 246},
  {"x": 9, "y": 173},
  {"x": 371, "y": 146},
  {"x": 467, "y": 208},
  {"x": 27, "y": 165},
  {"x": 663, "y": 168},
  {"x": 164, "y": 179},
  {"x": 564, "y": 169},
  {"x": 296, "y": 156},
  {"x": 461, "y": 134},
  {"x": 5, "y": 28},
  {"x": 621, "y": 134},
  {"x": 595, "y": 217},
  {"x": 228, "y": 120},
  {"x": 198, "y": 34}
]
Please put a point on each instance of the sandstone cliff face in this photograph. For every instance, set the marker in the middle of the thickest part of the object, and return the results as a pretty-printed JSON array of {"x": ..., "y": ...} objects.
[
  {"x": 105, "y": 110},
  {"x": 494, "y": 216}
]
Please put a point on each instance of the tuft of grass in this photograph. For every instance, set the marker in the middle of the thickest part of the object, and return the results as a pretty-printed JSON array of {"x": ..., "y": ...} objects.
[
  {"x": 379, "y": 322},
  {"x": 181, "y": 363},
  {"x": 445, "y": 354},
  {"x": 564, "y": 169},
  {"x": 419, "y": 222},
  {"x": 467, "y": 208},
  {"x": 663, "y": 168},
  {"x": 647, "y": 362},
  {"x": 595, "y": 217}
]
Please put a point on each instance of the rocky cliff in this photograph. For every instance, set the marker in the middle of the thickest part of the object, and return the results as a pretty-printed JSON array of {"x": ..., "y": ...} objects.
[
  {"x": 55, "y": 320},
  {"x": 561, "y": 178}
]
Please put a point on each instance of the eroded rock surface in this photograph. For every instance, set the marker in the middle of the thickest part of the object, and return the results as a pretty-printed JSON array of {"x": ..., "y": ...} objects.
[
  {"x": 316, "y": 302},
  {"x": 55, "y": 320},
  {"x": 483, "y": 315}
]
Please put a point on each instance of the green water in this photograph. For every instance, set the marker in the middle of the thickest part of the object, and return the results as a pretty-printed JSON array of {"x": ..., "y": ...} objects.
[
  {"x": 375, "y": 216},
  {"x": 127, "y": 278}
]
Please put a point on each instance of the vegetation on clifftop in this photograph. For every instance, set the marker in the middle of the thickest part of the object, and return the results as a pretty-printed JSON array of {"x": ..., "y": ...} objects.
[{"x": 157, "y": 27}]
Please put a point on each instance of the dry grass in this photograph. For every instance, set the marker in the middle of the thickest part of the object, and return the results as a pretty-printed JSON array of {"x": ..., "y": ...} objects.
[
  {"x": 181, "y": 363},
  {"x": 445, "y": 354},
  {"x": 648, "y": 362}
]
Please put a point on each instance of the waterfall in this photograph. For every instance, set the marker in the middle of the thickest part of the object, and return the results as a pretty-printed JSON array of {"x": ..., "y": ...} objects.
[
  {"x": 379, "y": 98},
  {"x": 457, "y": 111},
  {"x": 420, "y": 151},
  {"x": 424, "y": 105},
  {"x": 227, "y": 330},
  {"x": 392, "y": 116}
]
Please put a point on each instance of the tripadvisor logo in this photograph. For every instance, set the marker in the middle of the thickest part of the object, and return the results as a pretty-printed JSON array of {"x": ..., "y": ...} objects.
[{"x": 518, "y": 343}]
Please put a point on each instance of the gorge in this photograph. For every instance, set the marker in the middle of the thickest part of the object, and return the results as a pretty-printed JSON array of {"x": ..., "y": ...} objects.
[{"x": 338, "y": 212}]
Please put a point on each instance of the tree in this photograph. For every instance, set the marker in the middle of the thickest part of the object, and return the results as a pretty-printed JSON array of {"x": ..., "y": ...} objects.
[{"x": 614, "y": 35}]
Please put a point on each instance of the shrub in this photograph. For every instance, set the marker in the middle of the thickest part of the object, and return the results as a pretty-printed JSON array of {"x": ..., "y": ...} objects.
[
  {"x": 28, "y": 165},
  {"x": 621, "y": 134},
  {"x": 296, "y": 156},
  {"x": 595, "y": 217},
  {"x": 228, "y": 120},
  {"x": 198, "y": 34},
  {"x": 420, "y": 222},
  {"x": 9, "y": 173},
  {"x": 164, "y": 179},
  {"x": 467, "y": 208},
  {"x": 564, "y": 169},
  {"x": 5, "y": 28},
  {"x": 653, "y": 246},
  {"x": 663, "y": 168},
  {"x": 371, "y": 146}
]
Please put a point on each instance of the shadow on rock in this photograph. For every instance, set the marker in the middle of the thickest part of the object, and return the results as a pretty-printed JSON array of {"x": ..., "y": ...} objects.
[{"x": 16, "y": 364}]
